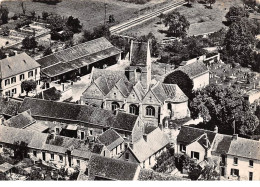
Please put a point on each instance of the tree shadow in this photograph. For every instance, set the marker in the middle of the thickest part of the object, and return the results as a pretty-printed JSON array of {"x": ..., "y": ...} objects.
[{"x": 188, "y": 5}]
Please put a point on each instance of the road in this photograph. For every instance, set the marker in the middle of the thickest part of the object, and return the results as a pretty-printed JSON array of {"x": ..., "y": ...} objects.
[{"x": 136, "y": 21}]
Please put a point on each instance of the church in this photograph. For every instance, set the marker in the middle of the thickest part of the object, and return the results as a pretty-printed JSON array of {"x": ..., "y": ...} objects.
[{"x": 133, "y": 90}]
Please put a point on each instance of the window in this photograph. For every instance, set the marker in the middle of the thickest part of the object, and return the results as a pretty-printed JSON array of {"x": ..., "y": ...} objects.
[
  {"x": 104, "y": 153},
  {"x": 21, "y": 77},
  {"x": 13, "y": 80},
  {"x": 35, "y": 153},
  {"x": 30, "y": 74},
  {"x": 14, "y": 91},
  {"x": 90, "y": 132},
  {"x": 235, "y": 160},
  {"x": 7, "y": 82},
  {"x": 183, "y": 148},
  {"x": 7, "y": 93},
  {"x": 150, "y": 111},
  {"x": 35, "y": 71},
  {"x": 234, "y": 172},
  {"x": 104, "y": 129},
  {"x": 133, "y": 109},
  {"x": 144, "y": 164},
  {"x": 250, "y": 176},
  {"x": 195, "y": 155},
  {"x": 1, "y": 146},
  {"x": 251, "y": 163},
  {"x": 61, "y": 158},
  {"x": 82, "y": 135},
  {"x": 78, "y": 162},
  {"x": 57, "y": 131},
  {"x": 52, "y": 156},
  {"x": 149, "y": 160},
  {"x": 126, "y": 156},
  {"x": 115, "y": 106}
]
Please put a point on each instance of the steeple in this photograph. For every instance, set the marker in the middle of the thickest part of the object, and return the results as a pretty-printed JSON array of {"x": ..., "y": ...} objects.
[{"x": 149, "y": 65}]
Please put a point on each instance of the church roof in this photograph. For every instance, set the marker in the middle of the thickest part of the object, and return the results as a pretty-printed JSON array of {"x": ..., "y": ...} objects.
[{"x": 138, "y": 53}]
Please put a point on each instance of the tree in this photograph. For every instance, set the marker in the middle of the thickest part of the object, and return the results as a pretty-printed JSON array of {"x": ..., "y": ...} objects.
[
  {"x": 182, "y": 80},
  {"x": 101, "y": 31},
  {"x": 29, "y": 43},
  {"x": 45, "y": 15},
  {"x": 177, "y": 23},
  {"x": 20, "y": 150},
  {"x": 161, "y": 16},
  {"x": 4, "y": 14},
  {"x": 28, "y": 85},
  {"x": 154, "y": 45},
  {"x": 189, "y": 2},
  {"x": 235, "y": 13},
  {"x": 74, "y": 24},
  {"x": 240, "y": 41},
  {"x": 226, "y": 107},
  {"x": 165, "y": 163},
  {"x": 56, "y": 22}
]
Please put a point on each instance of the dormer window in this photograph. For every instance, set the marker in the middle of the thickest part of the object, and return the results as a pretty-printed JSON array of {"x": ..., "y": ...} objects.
[
  {"x": 21, "y": 77},
  {"x": 13, "y": 80},
  {"x": 7, "y": 82},
  {"x": 183, "y": 148},
  {"x": 30, "y": 74}
]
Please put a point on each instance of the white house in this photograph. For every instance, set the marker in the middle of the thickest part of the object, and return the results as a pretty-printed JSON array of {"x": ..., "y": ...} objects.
[{"x": 16, "y": 69}]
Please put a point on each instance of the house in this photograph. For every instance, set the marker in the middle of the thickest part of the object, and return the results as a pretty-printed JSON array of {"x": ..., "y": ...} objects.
[
  {"x": 252, "y": 95},
  {"x": 198, "y": 73},
  {"x": 16, "y": 69},
  {"x": 194, "y": 142},
  {"x": 103, "y": 168},
  {"x": 111, "y": 90},
  {"x": 57, "y": 150},
  {"x": 113, "y": 142},
  {"x": 237, "y": 158},
  {"x": 145, "y": 150},
  {"x": 79, "y": 59},
  {"x": 86, "y": 122}
]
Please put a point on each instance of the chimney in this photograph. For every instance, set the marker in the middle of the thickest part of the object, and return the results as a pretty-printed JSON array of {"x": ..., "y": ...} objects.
[
  {"x": 145, "y": 137},
  {"x": 131, "y": 145},
  {"x": 216, "y": 129},
  {"x": 235, "y": 136}
]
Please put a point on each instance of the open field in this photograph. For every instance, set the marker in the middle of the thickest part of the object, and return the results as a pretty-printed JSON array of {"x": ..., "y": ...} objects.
[
  {"x": 202, "y": 20},
  {"x": 90, "y": 12}
]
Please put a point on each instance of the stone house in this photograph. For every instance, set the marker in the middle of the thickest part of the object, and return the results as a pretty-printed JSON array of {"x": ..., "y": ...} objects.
[
  {"x": 56, "y": 150},
  {"x": 16, "y": 69},
  {"x": 82, "y": 121},
  {"x": 145, "y": 150},
  {"x": 237, "y": 158}
]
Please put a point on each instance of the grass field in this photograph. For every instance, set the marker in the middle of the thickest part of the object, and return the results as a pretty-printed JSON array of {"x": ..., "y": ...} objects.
[
  {"x": 90, "y": 12},
  {"x": 202, "y": 19}
]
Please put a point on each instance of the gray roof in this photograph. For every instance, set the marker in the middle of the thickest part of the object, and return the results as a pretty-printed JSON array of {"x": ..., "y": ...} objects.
[
  {"x": 111, "y": 139},
  {"x": 20, "y": 121},
  {"x": 80, "y": 113},
  {"x": 17, "y": 64},
  {"x": 169, "y": 92},
  {"x": 112, "y": 169},
  {"x": 240, "y": 147},
  {"x": 9, "y": 106},
  {"x": 194, "y": 69},
  {"x": 138, "y": 53},
  {"x": 77, "y": 56},
  {"x": 156, "y": 140}
]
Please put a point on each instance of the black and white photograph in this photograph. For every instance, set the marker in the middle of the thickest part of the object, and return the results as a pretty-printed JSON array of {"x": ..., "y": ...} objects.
[{"x": 129, "y": 90}]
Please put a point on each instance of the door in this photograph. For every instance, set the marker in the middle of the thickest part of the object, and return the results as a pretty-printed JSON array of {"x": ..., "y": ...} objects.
[
  {"x": 222, "y": 171},
  {"x": 43, "y": 156}
]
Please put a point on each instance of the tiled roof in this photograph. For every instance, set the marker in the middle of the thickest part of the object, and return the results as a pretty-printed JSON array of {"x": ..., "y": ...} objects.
[
  {"x": 11, "y": 135},
  {"x": 20, "y": 121},
  {"x": 112, "y": 169},
  {"x": 9, "y": 107},
  {"x": 82, "y": 113},
  {"x": 17, "y": 64},
  {"x": 112, "y": 77},
  {"x": 111, "y": 139},
  {"x": 156, "y": 140},
  {"x": 194, "y": 69},
  {"x": 150, "y": 175},
  {"x": 139, "y": 90},
  {"x": 241, "y": 147},
  {"x": 102, "y": 84},
  {"x": 138, "y": 53},
  {"x": 169, "y": 92},
  {"x": 77, "y": 56},
  {"x": 188, "y": 135}
]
